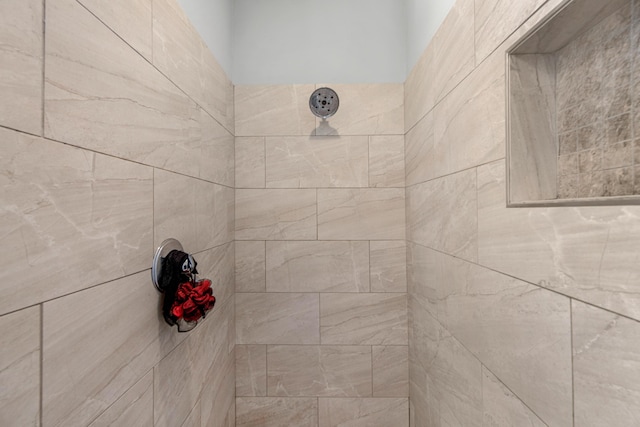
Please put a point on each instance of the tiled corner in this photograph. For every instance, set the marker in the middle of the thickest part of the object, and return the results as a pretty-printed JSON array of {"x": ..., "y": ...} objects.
[
  {"x": 386, "y": 161},
  {"x": 388, "y": 266},
  {"x": 390, "y": 371}
]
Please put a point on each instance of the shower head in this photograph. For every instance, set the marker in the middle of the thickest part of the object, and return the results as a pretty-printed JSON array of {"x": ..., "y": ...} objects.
[{"x": 324, "y": 102}]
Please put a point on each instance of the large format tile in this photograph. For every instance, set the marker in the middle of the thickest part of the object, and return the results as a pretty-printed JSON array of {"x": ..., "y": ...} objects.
[
  {"x": 251, "y": 370},
  {"x": 70, "y": 218},
  {"x": 361, "y": 214},
  {"x": 250, "y": 162},
  {"x": 180, "y": 53},
  {"x": 217, "y": 400},
  {"x": 277, "y": 318},
  {"x": 390, "y": 371},
  {"x": 317, "y": 266},
  {"x": 134, "y": 408},
  {"x": 275, "y": 214},
  {"x": 97, "y": 344},
  {"x": 20, "y": 368},
  {"x": 276, "y": 412},
  {"x": 310, "y": 162},
  {"x": 363, "y": 412},
  {"x": 424, "y": 158},
  {"x": 217, "y": 264},
  {"x": 21, "y": 30},
  {"x": 273, "y": 110},
  {"x": 131, "y": 20},
  {"x": 606, "y": 361},
  {"x": 502, "y": 408},
  {"x": 102, "y": 95},
  {"x": 519, "y": 331},
  {"x": 386, "y": 161},
  {"x": 357, "y": 115},
  {"x": 318, "y": 370},
  {"x": 419, "y": 91},
  {"x": 388, "y": 266},
  {"x": 363, "y": 319},
  {"x": 585, "y": 252},
  {"x": 442, "y": 214},
  {"x": 250, "y": 266}
]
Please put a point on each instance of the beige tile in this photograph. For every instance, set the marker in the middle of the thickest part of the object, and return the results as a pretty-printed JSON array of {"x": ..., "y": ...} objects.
[
  {"x": 193, "y": 211},
  {"x": 131, "y": 20},
  {"x": 617, "y": 155},
  {"x": 20, "y": 368},
  {"x": 250, "y": 162},
  {"x": 388, "y": 266},
  {"x": 519, "y": 331},
  {"x": 502, "y": 408},
  {"x": 217, "y": 264},
  {"x": 390, "y": 371},
  {"x": 276, "y": 412},
  {"x": 363, "y": 412},
  {"x": 424, "y": 158},
  {"x": 606, "y": 361},
  {"x": 361, "y": 214},
  {"x": 195, "y": 417},
  {"x": 251, "y": 370},
  {"x": 310, "y": 162},
  {"x": 274, "y": 110},
  {"x": 317, "y": 267},
  {"x": 21, "y": 32},
  {"x": 618, "y": 182},
  {"x": 454, "y": 48},
  {"x": 250, "y": 267},
  {"x": 216, "y": 152},
  {"x": 357, "y": 115},
  {"x": 442, "y": 214},
  {"x": 419, "y": 91},
  {"x": 218, "y": 393},
  {"x": 584, "y": 252},
  {"x": 275, "y": 214},
  {"x": 134, "y": 408},
  {"x": 180, "y": 53},
  {"x": 340, "y": 371},
  {"x": 420, "y": 268},
  {"x": 363, "y": 319},
  {"x": 277, "y": 319},
  {"x": 71, "y": 217},
  {"x": 87, "y": 365},
  {"x": 495, "y": 20},
  {"x": 386, "y": 161}
]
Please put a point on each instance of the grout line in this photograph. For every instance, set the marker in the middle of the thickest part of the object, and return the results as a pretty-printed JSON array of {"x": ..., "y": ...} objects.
[
  {"x": 573, "y": 388},
  {"x": 41, "y": 364}
]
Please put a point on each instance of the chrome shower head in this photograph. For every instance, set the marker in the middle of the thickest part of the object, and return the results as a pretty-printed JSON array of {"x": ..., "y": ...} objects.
[{"x": 324, "y": 102}]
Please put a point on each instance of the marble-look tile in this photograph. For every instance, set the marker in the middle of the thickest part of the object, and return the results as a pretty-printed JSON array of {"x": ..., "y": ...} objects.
[
  {"x": 419, "y": 91},
  {"x": 470, "y": 120},
  {"x": 617, "y": 155},
  {"x": 424, "y": 158},
  {"x": 191, "y": 210},
  {"x": 606, "y": 361},
  {"x": 361, "y": 214},
  {"x": 258, "y": 115},
  {"x": 277, "y": 318},
  {"x": 180, "y": 53},
  {"x": 224, "y": 214},
  {"x": 420, "y": 269},
  {"x": 495, "y": 20},
  {"x": 218, "y": 394},
  {"x": 331, "y": 371},
  {"x": 502, "y": 408},
  {"x": 217, "y": 264},
  {"x": 131, "y": 20},
  {"x": 195, "y": 417},
  {"x": 357, "y": 115},
  {"x": 250, "y": 162},
  {"x": 386, "y": 161},
  {"x": 310, "y": 162},
  {"x": 20, "y": 368},
  {"x": 584, "y": 252},
  {"x": 70, "y": 217},
  {"x": 134, "y": 408},
  {"x": 317, "y": 266},
  {"x": 388, "y": 268},
  {"x": 250, "y": 266},
  {"x": 251, "y": 370},
  {"x": 453, "y": 45},
  {"x": 519, "y": 331},
  {"x": 21, "y": 30},
  {"x": 216, "y": 161},
  {"x": 617, "y": 182},
  {"x": 363, "y": 319},
  {"x": 88, "y": 364},
  {"x": 276, "y": 411},
  {"x": 442, "y": 214},
  {"x": 390, "y": 371},
  {"x": 363, "y": 412},
  {"x": 275, "y": 214}
]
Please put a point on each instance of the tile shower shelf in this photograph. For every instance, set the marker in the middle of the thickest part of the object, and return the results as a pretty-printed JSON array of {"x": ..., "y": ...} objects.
[{"x": 556, "y": 91}]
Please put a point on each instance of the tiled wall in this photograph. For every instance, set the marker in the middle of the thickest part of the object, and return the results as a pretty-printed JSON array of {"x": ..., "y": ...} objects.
[
  {"x": 321, "y": 308},
  {"x": 597, "y": 101},
  {"x": 520, "y": 316},
  {"x": 115, "y": 136}
]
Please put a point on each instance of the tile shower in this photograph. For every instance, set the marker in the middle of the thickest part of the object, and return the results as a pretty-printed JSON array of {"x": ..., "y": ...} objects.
[{"x": 368, "y": 270}]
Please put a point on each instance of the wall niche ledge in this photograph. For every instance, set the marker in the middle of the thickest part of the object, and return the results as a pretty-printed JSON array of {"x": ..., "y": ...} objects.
[{"x": 573, "y": 105}]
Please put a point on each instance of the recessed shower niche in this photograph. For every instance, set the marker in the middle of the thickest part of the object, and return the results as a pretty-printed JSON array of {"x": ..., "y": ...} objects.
[{"x": 573, "y": 96}]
